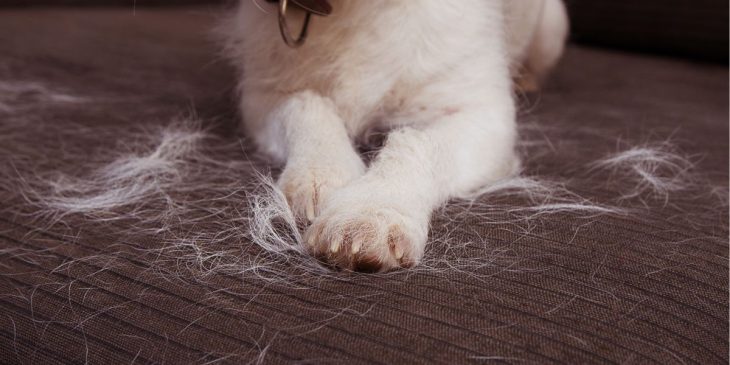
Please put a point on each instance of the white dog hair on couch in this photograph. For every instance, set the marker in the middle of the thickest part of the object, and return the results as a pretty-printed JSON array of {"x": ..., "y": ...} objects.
[{"x": 436, "y": 74}]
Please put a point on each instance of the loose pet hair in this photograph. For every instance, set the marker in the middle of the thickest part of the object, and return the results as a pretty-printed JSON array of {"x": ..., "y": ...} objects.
[{"x": 437, "y": 75}]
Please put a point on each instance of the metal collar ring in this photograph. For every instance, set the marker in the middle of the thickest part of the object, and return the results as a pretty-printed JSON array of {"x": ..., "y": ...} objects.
[{"x": 284, "y": 27}]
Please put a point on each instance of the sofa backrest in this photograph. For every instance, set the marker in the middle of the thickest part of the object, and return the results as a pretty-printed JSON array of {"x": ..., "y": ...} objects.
[{"x": 688, "y": 28}]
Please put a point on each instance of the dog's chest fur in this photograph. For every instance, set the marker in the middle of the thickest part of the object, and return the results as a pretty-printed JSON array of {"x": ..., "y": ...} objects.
[{"x": 368, "y": 52}]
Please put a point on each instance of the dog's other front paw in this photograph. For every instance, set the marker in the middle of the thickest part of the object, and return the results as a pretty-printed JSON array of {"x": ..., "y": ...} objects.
[
  {"x": 367, "y": 236},
  {"x": 307, "y": 187}
]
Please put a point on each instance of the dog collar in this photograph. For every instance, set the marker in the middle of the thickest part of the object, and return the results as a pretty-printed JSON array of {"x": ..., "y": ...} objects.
[{"x": 316, "y": 7}]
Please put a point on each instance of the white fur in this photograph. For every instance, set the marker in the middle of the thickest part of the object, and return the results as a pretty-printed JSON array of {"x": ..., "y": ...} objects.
[
  {"x": 437, "y": 73},
  {"x": 185, "y": 202},
  {"x": 654, "y": 170},
  {"x": 21, "y": 96}
]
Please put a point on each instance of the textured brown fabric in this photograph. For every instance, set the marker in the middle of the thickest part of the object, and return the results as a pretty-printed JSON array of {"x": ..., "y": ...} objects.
[{"x": 650, "y": 287}]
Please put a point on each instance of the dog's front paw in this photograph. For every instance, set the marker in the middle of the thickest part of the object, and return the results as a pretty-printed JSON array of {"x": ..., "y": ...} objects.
[
  {"x": 307, "y": 187},
  {"x": 367, "y": 236}
]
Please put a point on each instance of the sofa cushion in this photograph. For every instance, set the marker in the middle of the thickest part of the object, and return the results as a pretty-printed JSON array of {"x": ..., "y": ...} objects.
[{"x": 646, "y": 282}]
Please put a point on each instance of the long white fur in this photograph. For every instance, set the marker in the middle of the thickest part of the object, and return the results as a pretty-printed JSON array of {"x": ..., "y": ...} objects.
[
  {"x": 16, "y": 95},
  {"x": 171, "y": 185},
  {"x": 439, "y": 74},
  {"x": 656, "y": 170}
]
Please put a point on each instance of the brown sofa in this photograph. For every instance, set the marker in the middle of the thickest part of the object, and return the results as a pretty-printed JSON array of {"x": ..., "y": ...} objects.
[{"x": 648, "y": 284}]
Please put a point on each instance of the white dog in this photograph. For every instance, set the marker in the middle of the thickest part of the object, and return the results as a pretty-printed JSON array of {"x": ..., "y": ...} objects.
[{"x": 437, "y": 74}]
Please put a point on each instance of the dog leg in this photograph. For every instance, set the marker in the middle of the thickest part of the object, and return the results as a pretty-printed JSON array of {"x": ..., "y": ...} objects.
[
  {"x": 380, "y": 221},
  {"x": 547, "y": 46},
  {"x": 319, "y": 155}
]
